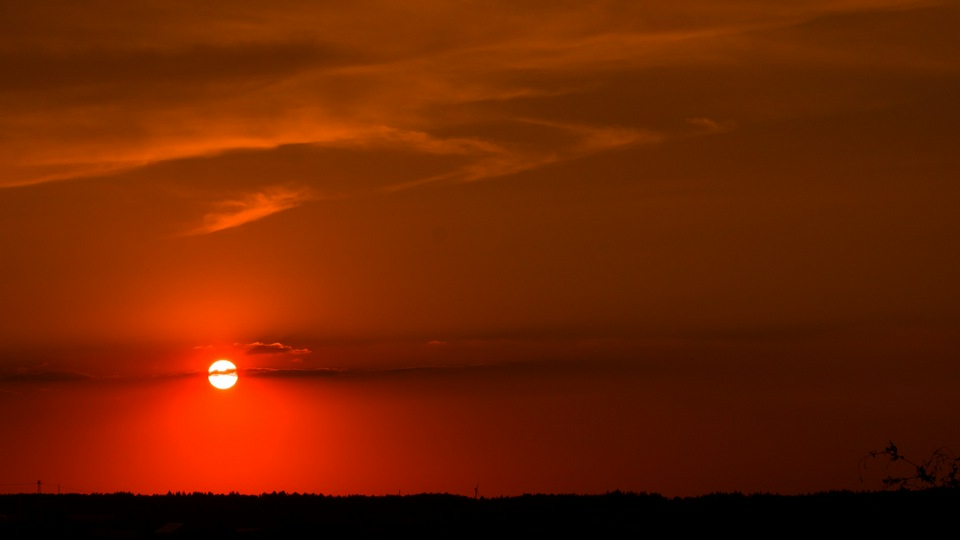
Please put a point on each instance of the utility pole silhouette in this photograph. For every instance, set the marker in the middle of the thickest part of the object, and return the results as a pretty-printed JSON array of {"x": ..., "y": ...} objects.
[
  {"x": 38, "y": 487},
  {"x": 476, "y": 491}
]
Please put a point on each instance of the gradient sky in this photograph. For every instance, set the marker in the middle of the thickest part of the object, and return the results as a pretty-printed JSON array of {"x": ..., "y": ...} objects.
[{"x": 679, "y": 247}]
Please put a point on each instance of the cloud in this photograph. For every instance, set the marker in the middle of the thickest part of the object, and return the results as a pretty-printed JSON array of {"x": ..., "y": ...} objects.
[
  {"x": 252, "y": 207},
  {"x": 89, "y": 92},
  {"x": 708, "y": 125},
  {"x": 381, "y": 137},
  {"x": 591, "y": 139},
  {"x": 563, "y": 142},
  {"x": 312, "y": 373},
  {"x": 45, "y": 375},
  {"x": 93, "y": 91},
  {"x": 227, "y": 371},
  {"x": 272, "y": 348},
  {"x": 292, "y": 373}
]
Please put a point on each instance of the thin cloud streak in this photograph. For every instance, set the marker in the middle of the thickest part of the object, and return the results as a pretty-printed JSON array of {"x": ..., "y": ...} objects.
[
  {"x": 272, "y": 348},
  {"x": 252, "y": 207},
  {"x": 499, "y": 161},
  {"x": 45, "y": 375}
]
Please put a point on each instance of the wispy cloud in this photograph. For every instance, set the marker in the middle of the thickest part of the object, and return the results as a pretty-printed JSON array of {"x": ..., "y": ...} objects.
[
  {"x": 89, "y": 93},
  {"x": 208, "y": 92},
  {"x": 271, "y": 348},
  {"x": 44, "y": 374},
  {"x": 390, "y": 137},
  {"x": 567, "y": 141},
  {"x": 310, "y": 373},
  {"x": 252, "y": 207},
  {"x": 707, "y": 125}
]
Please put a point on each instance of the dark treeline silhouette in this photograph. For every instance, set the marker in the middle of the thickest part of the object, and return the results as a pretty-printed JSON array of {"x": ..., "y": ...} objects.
[{"x": 206, "y": 515}]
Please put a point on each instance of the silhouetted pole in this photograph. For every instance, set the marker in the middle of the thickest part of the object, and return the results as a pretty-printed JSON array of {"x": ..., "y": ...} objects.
[
  {"x": 38, "y": 487},
  {"x": 476, "y": 491}
]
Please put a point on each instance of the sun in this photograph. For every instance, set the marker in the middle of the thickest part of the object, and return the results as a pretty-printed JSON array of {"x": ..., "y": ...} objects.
[{"x": 222, "y": 374}]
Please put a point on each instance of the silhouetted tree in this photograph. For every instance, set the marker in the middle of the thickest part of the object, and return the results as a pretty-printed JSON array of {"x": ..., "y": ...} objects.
[{"x": 939, "y": 470}]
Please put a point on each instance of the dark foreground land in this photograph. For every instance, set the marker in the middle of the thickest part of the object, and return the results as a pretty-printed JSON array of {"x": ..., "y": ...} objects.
[{"x": 617, "y": 514}]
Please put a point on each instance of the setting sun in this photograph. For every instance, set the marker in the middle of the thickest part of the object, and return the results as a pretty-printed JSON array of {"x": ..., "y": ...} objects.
[
  {"x": 480, "y": 248},
  {"x": 222, "y": 374}
]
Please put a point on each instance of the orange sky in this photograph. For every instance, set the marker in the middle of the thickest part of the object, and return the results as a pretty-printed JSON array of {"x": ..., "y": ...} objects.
[{"x": 679, "y": 247}]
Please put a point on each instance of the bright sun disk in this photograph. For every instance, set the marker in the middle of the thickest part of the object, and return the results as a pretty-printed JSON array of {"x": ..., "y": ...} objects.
[{"x": 222, "y": 374}]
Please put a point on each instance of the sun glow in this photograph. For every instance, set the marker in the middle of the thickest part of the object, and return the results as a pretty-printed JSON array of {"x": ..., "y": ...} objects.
[{"x": 222, "y": 374}]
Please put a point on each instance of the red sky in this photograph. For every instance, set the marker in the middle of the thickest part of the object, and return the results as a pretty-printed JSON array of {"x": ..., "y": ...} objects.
[{"x": 678, "y": 247}]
